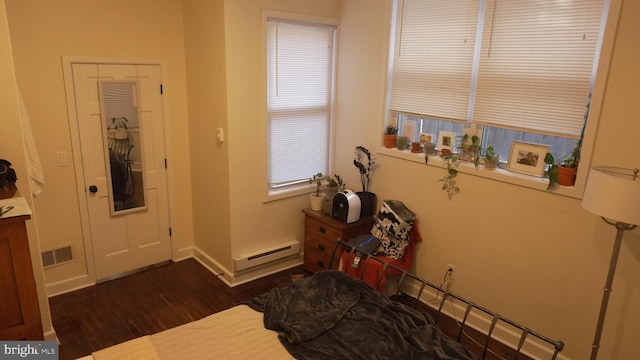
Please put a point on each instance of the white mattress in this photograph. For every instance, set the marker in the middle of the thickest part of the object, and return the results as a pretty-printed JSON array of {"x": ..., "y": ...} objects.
[{"x": 236, "y": 333}]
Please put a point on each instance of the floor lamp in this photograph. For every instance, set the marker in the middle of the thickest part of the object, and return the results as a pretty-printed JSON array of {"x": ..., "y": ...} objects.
[{"x": 614, "y": 194}]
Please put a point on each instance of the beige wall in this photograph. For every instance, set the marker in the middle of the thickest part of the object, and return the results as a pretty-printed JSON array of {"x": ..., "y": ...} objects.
[
  {"x": 226, "y": 82},
  {"x": 206, "y": 78},
  {"x": 536, "y": 257},
  {"x": 12, "y": 149},
  {"x": 255, "y": 224},
  {"x": 42, "y": 32}
]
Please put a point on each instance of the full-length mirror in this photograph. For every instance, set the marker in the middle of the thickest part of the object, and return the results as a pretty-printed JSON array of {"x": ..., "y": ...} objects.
[{"x": 123, "y": 148}]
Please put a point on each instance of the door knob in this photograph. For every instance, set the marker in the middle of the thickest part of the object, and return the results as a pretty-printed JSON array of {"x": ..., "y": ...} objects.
[{"x": 93, "y": 189}]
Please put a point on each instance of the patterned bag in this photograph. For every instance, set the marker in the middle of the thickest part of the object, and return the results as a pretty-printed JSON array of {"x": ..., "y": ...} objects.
[{"x": 393, "y": 227}]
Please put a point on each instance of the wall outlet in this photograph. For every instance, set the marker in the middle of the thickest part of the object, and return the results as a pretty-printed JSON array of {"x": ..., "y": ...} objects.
[
  {"x": 451, "y": 274},
  {"x": 449, "y": 277}
]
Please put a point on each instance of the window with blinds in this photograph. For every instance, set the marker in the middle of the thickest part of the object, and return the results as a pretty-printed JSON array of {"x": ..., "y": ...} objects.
[
  {"x": 536, "y": 65},
  {"x": 433, "y": 58},
  {"x": 300, "y": 62},
  {"x": 513, "y": 65}
]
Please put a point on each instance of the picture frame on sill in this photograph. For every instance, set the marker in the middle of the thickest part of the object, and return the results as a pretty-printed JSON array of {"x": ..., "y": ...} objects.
[
  {"x": 527, "y": 158},
  {"x": 426, "y": 138},
  {"x": 409, "y": 128},
  {"x": 446, "y": 140}
]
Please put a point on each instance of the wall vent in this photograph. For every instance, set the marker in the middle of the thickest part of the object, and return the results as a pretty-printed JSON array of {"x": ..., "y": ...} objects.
[
  {"x": 57, "y": 256},
  {"x": 264, "y": 256}
]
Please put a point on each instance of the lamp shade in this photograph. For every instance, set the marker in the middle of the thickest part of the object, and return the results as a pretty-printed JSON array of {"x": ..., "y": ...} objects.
[{"x": 614, "y": 194}]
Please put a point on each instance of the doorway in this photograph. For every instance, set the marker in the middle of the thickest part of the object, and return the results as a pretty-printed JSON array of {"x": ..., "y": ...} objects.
[{"x": 116, "y": 118}]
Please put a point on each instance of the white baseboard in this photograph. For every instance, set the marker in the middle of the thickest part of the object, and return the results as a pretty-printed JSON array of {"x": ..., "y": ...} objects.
[
  {"x": 182, "y": 254},
  {"x": 231, "y": 279},
  {"x": 51, "y": 336},
  {"x": 226, "y": 275},
  {"x": 68, "y": 285},
  {"x": 212, "y": 265},
  {"x": 478, "y": 320},
  {"x": 245, "y": 277}
]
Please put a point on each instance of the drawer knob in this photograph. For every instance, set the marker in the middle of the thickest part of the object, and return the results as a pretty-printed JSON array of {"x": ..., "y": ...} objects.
[
  {"x": 321, "y": 264},
  {"x": 321, "y": 247},
  {"x": 322, "y": 230}
]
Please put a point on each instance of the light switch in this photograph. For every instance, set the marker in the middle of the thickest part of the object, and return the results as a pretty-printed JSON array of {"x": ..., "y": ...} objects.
[
  {"x": 61, "y": 158},
  {"x": 220, "y": 134}
]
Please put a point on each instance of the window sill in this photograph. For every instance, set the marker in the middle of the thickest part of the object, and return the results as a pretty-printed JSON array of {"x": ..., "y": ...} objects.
[
  {"x": 500, "y": 174},
  {"x": 288, "y": 192}
]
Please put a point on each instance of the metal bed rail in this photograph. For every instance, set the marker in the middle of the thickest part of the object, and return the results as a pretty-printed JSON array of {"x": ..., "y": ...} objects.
[{"x": 495, "y": 317}]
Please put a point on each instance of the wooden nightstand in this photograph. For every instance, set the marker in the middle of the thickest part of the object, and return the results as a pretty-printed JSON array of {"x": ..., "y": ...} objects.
[
  {"x": 19, "y": 308},
  {"x": 321, "y": 231}
]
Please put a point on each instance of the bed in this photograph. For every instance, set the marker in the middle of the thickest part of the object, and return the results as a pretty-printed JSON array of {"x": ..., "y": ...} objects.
[{"x": 329, "y": 315}]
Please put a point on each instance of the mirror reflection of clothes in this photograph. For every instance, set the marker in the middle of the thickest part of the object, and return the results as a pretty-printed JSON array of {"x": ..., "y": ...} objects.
[{"x": 121, "y": 173}]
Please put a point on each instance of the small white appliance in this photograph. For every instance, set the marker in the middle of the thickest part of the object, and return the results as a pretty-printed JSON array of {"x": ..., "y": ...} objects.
[{"x": 346, "y": 206}]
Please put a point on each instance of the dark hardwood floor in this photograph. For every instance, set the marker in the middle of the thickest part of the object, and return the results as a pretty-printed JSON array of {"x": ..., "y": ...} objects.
[
  {"x": 145, "y": 303},
  {"x": 157, "y": 299}
]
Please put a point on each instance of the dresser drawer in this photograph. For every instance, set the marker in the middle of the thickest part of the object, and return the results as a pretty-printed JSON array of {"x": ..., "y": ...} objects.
[
  {"x": 315, "y": 260},
  {"x": 319, "y": 229},
  {"x": 321, "y": 232}
]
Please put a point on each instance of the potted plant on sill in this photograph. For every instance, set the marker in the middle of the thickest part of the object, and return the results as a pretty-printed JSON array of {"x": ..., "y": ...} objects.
[
  {"x": 119, "y": 124},
  {"x": 316, "y": 197},
  {"x": 402, "y": 142},
  {"x": 563, "y": 172},
  {"x": 368, "y": 200},
  {"x": 469, "y": 151},
  {"x": 390, "y": 135},
  {"x": 490, "y": 158}
]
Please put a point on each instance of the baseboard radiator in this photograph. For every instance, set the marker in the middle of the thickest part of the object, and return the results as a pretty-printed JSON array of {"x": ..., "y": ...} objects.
[{"x": 266, "y": 256}]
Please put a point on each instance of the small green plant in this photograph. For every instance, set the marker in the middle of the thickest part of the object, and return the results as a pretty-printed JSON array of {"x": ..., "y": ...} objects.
[
  {"x": 391, "y": 130},
  {"x": 463, "y": 140},
  {"x": 317, "y": 178},
  {"x": 490, "y": 154},
  {"x": 552, "y": 171},
  {"x": 554, "y": 163},
  {"x": 448, "y": 181},
  {"x": 337, "y": 182},
  {"x": 469, "y": 151},
  {"x": 491, "y": 158},
  {"x": 118, "y": 122}
]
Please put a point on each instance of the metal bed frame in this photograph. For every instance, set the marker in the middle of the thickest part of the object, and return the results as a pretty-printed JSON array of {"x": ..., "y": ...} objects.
[{"x": 404, "y": 275}]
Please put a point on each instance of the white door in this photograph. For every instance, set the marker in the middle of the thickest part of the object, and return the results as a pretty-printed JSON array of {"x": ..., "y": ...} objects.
[{"x": 124, "y": 179}]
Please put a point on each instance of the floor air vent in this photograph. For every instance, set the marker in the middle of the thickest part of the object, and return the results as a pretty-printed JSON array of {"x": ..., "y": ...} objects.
[{"x": 57, "y": 256}]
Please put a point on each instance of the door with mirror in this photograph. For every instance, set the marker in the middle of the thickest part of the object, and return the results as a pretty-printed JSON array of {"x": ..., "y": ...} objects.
[{"x": 120, "y": 125}]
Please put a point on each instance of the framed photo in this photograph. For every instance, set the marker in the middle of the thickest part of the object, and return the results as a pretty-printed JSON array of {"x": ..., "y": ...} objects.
[
  {"x": 426, "y": 138},
  {"x": 409, "y": 128},
  {"x": 446, "y": 140},
  {"x": 527, "y": 158}
]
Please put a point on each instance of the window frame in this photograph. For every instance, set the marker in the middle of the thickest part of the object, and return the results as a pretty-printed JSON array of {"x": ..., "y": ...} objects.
[
  {"x": 612, "y": 15},
  {"x": 296, "y": 189}
]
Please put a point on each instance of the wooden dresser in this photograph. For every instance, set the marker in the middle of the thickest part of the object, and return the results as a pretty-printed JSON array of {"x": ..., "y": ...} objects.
[
  {"x": 19, "y": 308},
  {"x": 321, "y": 231}
]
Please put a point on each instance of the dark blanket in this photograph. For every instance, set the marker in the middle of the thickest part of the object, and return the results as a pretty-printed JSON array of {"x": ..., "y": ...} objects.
[{"x": 333, "y": 316}]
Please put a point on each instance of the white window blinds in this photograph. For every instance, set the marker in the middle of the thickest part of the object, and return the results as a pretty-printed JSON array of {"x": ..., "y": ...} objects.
[
  {"x": 536, "y": 64},
  {"x": 433, "y": 57},
  {"x": 529, "y": 68},
  {"x": 299, "y": 99}
]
